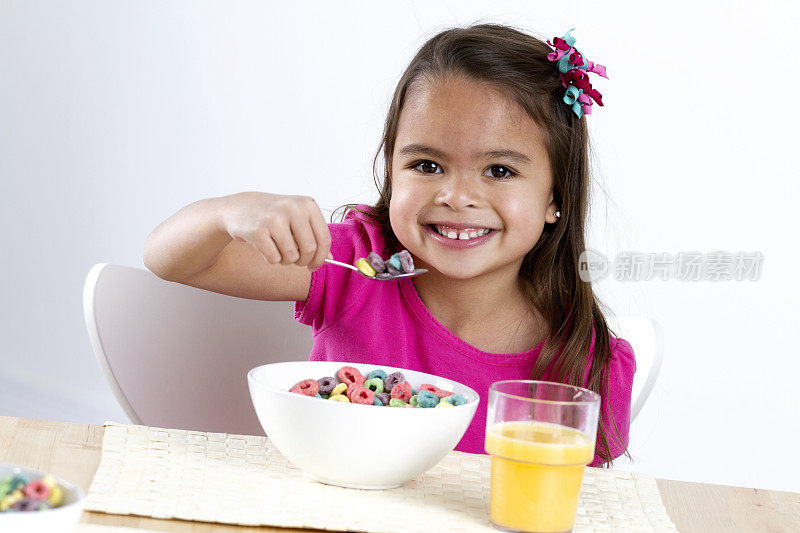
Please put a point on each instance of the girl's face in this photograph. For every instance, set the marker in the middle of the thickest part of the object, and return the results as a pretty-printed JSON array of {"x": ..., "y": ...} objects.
[{"x": 471, "y": 179}]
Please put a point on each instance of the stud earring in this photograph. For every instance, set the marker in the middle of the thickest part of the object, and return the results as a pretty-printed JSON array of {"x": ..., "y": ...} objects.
[{"x": 558, "y": 214}]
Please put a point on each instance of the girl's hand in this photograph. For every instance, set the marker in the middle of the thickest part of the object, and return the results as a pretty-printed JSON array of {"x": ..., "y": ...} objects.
[{"x": 286, "y": 230}]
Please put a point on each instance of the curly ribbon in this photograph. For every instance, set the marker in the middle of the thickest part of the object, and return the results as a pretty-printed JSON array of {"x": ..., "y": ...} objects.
[{"x": 575, "y": 69}]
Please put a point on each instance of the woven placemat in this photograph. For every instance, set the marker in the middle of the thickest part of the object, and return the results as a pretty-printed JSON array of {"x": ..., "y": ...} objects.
[{"x": 243, "y": 479}]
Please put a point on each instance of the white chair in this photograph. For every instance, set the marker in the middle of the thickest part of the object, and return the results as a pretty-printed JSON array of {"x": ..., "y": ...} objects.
[
  {"x": 176, "y": 356},
  {"x": 644, "y": 336}
]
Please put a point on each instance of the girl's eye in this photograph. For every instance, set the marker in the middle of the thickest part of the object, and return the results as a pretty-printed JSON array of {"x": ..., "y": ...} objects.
[
  {"x": 427, "y": 167},
  {"x": 498, "y": 172},
  {"x": 501, "y": 172}
]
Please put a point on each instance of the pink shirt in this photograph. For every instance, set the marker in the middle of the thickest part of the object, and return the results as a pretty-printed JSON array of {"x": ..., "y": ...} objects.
[{"x": 386, "y": 323}]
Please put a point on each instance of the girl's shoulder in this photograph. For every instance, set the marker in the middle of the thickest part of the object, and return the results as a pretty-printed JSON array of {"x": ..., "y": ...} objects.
[
  {"x": 333, "y": 289},
  {"x": 621, "y": 359},
  {"x": 621, "y": 350},
  {"x": 622, "y": 365},
  {"x": 356, "y": 235}
]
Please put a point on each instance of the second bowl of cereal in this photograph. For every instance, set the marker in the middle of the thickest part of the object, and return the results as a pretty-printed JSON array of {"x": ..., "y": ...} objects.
[{"x": 360, "y": 425}]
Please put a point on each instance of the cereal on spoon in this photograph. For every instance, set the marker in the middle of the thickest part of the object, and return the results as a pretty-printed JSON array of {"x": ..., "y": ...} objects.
[{"x": 375, "y": 267}]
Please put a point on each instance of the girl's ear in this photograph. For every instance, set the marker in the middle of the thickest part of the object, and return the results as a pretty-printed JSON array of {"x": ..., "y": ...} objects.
[{"x": 551, "y": 217}]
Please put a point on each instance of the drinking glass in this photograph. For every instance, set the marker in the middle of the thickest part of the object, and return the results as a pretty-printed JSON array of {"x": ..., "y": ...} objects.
[{"x": 540, "y": 436}]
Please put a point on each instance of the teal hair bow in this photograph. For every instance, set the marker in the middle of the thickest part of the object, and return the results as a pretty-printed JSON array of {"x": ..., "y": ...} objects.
[{"x": 574, "y": 71}]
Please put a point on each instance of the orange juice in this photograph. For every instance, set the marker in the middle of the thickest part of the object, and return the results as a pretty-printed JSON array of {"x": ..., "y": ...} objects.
[{"x": 537, "y": 469}]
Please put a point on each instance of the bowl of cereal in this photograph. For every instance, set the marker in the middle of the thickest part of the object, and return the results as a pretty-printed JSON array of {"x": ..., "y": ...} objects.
[
  {"x": 360, "y": 425},
  {"x": 34, "y": 501}
]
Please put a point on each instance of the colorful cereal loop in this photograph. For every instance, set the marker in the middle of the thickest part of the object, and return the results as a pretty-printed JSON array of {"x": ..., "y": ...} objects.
[
  {"x": 377, "y": 373},
  {"x": 36, "y": 490},
  {"x": 406, "y": 261},
  {"x": 426, "y": 398},
  {"x": 56, "y": 495},
  {"x": 5, "y": 487},
  {"x": 402, "y": 391},
  {"x": 326, "y": 384},
  {"x": 374, "y": 384},
  {"x": 365, "y": 268},
  {"x": 455, "y": 399},
  {"x": 436, "y": 390},
  {"x": 339, "y": 398},
  {"x": 362, "y": 395},
  {"x": 377, "y": 263},
  {"x": 395, "y": 262},
  {"x": 11, "y": 499},
  {"x": 350, "y": 375},
  {"x": 307, "y": 387},
  {"x": 393, "y": 379}
]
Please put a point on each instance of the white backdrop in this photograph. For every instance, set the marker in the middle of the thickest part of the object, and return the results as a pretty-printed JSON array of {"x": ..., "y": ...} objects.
[{"x": 113, "y": 115}]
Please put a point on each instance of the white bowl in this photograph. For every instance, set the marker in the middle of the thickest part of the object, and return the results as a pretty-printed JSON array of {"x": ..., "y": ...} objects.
[
  {"x": 352, "y": 445},
  {"x": 62, "y": 518}
]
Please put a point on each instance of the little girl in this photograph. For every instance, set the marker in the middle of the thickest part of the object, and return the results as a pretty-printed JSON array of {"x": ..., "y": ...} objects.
[{"x": 486, "y": 183}]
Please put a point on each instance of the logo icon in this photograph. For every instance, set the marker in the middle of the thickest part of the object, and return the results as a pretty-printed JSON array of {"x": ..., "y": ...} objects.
[{"x": 592, "y": 266}]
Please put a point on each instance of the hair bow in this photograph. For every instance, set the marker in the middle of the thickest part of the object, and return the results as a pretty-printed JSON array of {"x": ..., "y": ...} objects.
[{"x": 575, "y": 69}]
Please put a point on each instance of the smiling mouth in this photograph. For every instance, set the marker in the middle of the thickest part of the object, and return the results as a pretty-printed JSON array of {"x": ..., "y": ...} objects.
[{"x": 464, "y": 234}]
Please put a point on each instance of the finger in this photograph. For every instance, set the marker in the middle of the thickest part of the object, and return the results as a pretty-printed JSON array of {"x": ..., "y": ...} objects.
[
  {"x": 282, "y": 236},
  {"x": 266, "y": 246},
  {"x": 323, "y": 236},
  {"x": 304, "y": 238}
]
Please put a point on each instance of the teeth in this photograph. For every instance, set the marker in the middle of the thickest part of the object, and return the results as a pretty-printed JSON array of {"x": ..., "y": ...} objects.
[{"x": 463, "y": 235}]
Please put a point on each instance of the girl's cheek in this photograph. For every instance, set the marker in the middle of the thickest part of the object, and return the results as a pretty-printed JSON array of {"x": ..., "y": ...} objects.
[
  {"x": 395, "y": 217},
  {"x": 398, "y": 207},
  {"x": 402, "y": 219}
]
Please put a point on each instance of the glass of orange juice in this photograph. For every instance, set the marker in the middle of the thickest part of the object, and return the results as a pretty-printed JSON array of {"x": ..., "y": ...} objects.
[{"x": 540, "y": 436}]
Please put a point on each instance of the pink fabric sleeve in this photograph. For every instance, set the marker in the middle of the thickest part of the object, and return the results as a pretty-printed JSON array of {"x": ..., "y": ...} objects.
[
  {"x": 621, "y": 367},
  {"x": 333, "y": 289}
]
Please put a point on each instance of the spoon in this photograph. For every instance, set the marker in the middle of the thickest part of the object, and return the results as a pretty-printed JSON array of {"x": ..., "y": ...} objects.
[{"x": 390, "y": 277}]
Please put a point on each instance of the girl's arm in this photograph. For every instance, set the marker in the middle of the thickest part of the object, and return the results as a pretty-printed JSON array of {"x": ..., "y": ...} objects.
[{"x": 251, "y": 245}]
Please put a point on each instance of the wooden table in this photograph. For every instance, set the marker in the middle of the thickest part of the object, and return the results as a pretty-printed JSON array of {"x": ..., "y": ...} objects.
[{"x": 72, "y": 451}]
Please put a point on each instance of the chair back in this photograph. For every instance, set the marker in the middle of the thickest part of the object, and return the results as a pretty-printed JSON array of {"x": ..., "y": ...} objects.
[
  {"x": 644, "y": 336},
  {"x": 176, "y": 356}
]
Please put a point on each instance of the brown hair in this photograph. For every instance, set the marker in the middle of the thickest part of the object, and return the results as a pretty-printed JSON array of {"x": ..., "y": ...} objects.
[{"x": 516, "y": 64}]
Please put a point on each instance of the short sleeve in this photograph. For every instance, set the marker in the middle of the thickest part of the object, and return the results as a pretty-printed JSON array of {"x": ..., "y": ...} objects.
[
  {"x": 333, "y": 289},
  {"x": 621, "y": 367}
]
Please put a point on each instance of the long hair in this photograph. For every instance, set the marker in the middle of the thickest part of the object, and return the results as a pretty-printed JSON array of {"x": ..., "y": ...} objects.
[{"x": 516, "y": 64}]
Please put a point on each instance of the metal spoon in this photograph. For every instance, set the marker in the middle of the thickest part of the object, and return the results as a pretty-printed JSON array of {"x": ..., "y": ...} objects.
[{"x": 417, "y": 272}]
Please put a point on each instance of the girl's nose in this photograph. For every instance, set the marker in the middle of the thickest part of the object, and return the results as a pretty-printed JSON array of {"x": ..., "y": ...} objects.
[{"x": 458, "y": 191}]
